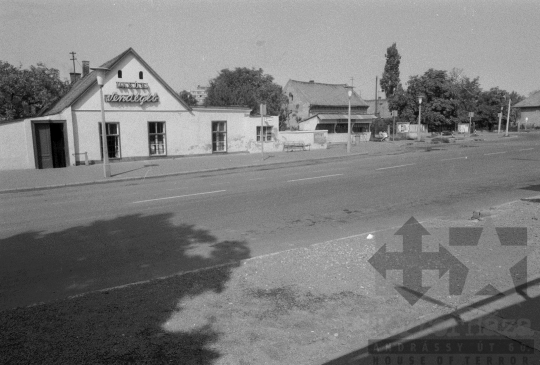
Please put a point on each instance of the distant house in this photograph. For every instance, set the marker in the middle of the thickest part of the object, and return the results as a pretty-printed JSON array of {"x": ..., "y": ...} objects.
[
  {"x": 379, "y": 108},
  {"x": 530, "y": 111},
  {"x": 317, "y": 106},
  {"x": 200, "y": 94}
]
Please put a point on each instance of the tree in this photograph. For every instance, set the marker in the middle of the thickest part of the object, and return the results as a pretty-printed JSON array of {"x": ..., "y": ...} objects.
[
  {"x": 188, "y": 98},
  {"x": 247, "y": 87},
  {"x": 390, "y": 78},
  {"x": 468, "y": 94},
  {"x": 493, "y": 102},
  {"x": 25, "y": 92},
  {"x": 439, "y": 102}
]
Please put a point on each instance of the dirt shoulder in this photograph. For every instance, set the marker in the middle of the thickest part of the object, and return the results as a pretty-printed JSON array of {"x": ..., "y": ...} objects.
[{"x": 303, "y": 306}]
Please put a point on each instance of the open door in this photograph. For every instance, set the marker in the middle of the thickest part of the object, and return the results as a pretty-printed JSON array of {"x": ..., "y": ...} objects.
[{"x": 50, "y": 145}]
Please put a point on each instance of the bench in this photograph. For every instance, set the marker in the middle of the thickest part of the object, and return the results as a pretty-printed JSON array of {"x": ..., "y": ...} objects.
[{"x": 291, "y": 146}]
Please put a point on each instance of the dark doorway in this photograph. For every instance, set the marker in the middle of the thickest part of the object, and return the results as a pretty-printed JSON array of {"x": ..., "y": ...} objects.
[{"x": 50, "y": 145}]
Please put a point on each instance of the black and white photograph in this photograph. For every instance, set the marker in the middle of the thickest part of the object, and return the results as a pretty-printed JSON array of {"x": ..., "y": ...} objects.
[{"x": 281, "y": 182}]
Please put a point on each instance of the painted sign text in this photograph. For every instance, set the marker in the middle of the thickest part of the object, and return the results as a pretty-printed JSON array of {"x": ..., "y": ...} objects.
[{"x": 132, "y": 98}]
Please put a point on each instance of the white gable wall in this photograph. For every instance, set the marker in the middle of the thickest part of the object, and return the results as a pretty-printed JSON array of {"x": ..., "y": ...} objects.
[
  {"x": 132, "y": 117},
  {"x": 130, "y": 67}
]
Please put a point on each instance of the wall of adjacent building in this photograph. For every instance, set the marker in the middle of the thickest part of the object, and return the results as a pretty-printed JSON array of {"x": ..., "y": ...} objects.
[
  {"x": 530, "y": 117},
  {"x": 13, "y": 139},
  {"x": 316, "y": 139}
]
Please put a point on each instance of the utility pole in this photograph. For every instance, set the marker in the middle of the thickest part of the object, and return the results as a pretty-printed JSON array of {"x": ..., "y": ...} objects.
[
  {"x": 263, "y": 112},
  {"x": 73, "y": 59},
  {"x": 349, "y": 92},
  {"x": 508, "y": 118},
  {"x": 500, "y": 118},
  {"x": 376, "y": 98},
  {"x": 394, "y": 115}
]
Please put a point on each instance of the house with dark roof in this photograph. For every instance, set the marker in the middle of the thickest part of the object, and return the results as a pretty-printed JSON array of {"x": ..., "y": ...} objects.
[
  {"x": 530, "y": 111},
  {"x": 379, "y": 108},
  {"x": 145, "y": 119},
  {"x": 318, "y": 106}
]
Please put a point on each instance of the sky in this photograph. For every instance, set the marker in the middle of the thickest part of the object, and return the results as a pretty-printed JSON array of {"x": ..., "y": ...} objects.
[{"x": 188, "y": 42}]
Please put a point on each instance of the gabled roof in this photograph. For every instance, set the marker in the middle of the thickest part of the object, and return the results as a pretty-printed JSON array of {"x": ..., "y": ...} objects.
[
  {"x": 382, "y": 108},
  {"x": 340, "y": 116},
  {"x": 531, "y": 101},
  {"x": 322, "y": 94},
  {"x": 81, "y": 86}
]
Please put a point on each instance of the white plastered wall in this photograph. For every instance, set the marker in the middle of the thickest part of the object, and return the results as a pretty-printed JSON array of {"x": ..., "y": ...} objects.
[{"x": 14, "y": 146}]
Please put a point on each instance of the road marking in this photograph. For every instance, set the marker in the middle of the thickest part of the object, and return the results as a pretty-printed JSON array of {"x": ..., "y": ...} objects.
[
  {"x": 457, "y": 158},
  {"x": 303, "y": 172},
  {"x": 527, "y": 149},
  {"x": 393, "y": 167},
  {"x": 179, "y": 188},
  {"x": 494, "y": 153},
  {"x": 317, "y": 177},
  {"x": 179, "y": 196}
]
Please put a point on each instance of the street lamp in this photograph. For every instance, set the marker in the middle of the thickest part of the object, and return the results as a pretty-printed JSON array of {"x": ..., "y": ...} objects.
[
  {"x": 508, "y": 117},
  {"x": 100, "y": 75},
  {"x": 419, "y": 113},
  {"x": 394, "y": 115},
  {"x": 500, "y": 115},
  {"x": 471, "y": 115},
  {"x": 349, "y": 125}
]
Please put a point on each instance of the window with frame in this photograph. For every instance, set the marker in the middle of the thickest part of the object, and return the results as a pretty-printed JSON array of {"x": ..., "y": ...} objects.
[
  {"x": 157, "y": 141},
  {"x": 113, "y": 140},
  {"x": 267, "y": 134},
  {"x": 359, "y": 127},
  {"x": 342, "y": 127},
  {"x": 325, "y": 126}
]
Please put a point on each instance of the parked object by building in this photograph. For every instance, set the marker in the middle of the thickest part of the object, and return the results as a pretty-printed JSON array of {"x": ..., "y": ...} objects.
[
  {"x": 145, "y": 119},
  {"x": 530, "y": 111}
]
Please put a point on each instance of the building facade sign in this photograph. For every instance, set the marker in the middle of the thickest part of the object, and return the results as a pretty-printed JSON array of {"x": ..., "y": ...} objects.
[
  {"x": 132, "y": 98},
  {"x": 132, "y": 85},
  {"x": 402, "y": 127}
]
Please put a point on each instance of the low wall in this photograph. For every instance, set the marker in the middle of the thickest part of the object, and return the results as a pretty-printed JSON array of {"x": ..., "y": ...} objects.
[
  {"x": 14, "y": 146},
  {"x": 317, "y": 139},
  {"x": 355, "y": 137}
]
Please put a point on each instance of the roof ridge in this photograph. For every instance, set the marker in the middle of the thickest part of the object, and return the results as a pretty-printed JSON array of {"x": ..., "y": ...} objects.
[
  {"x": 318, "y": 83},
  {"x": 82, "y": 85}
]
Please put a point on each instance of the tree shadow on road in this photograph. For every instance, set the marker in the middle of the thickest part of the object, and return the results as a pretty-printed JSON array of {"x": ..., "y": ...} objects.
[{"x": 122, "y": 325}]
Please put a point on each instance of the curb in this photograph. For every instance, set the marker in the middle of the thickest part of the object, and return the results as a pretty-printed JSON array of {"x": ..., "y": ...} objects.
[
  {"x": 275, "y": 164},
  {"x": 262, "y": 166}
]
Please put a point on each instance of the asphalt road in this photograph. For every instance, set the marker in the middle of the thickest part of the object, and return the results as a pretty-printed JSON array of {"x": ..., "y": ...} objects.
[{"x": 63, "y": 242}]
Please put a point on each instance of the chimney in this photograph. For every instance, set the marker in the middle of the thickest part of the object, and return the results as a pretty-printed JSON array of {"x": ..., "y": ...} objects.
[
  {"x": 85, "y": 68},
  {"x": 74, "y": 77}
]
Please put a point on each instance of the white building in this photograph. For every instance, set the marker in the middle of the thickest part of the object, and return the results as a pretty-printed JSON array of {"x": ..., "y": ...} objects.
[
  {"x": 199, "y": 94},
  {"x": 145, "y": 119}
]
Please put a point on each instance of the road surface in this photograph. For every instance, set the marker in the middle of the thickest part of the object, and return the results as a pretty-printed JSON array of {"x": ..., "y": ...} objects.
[{"x": 63, "y": 242}]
